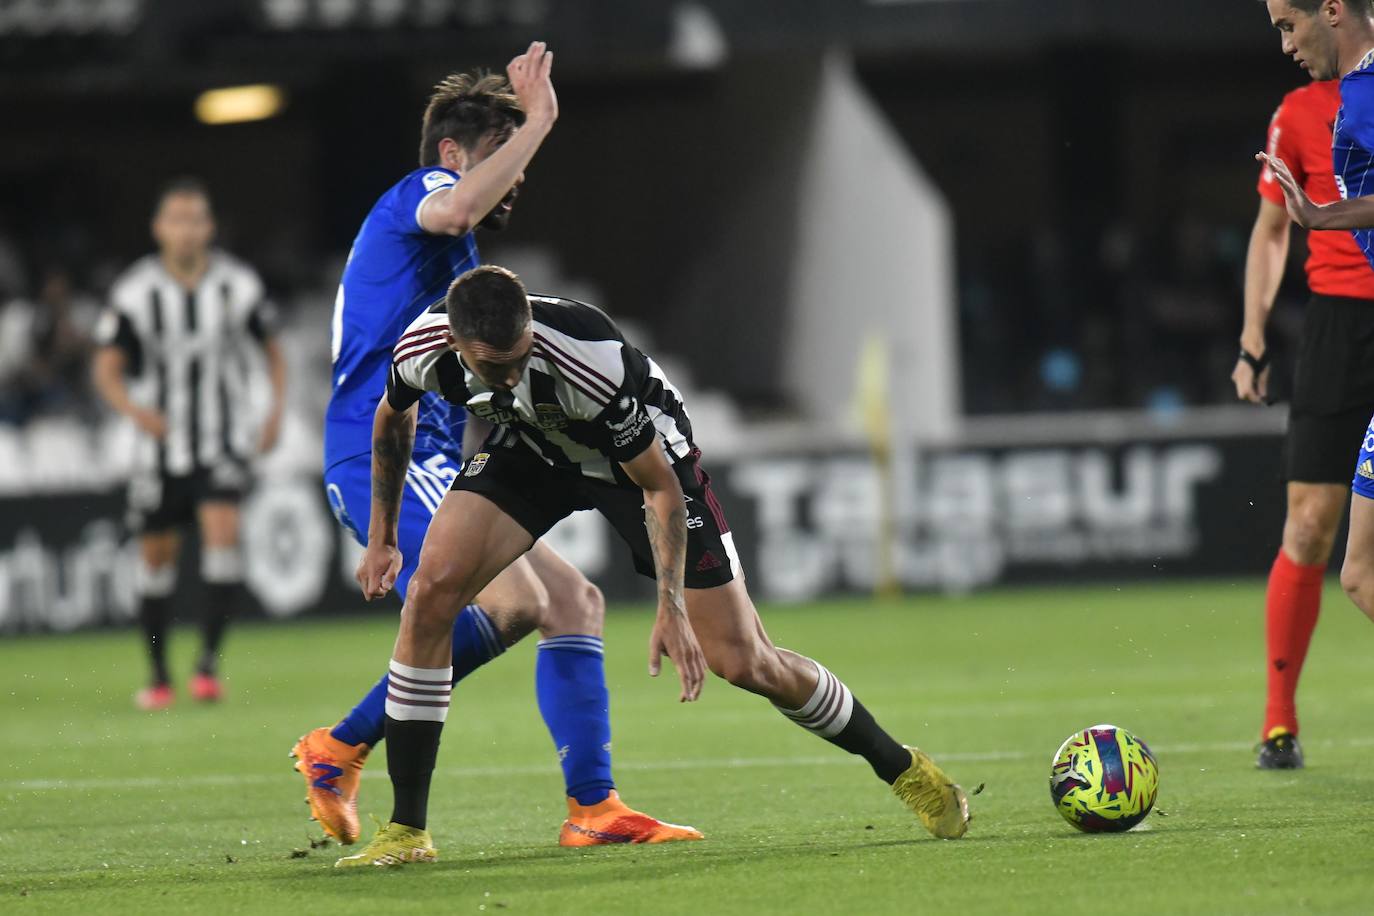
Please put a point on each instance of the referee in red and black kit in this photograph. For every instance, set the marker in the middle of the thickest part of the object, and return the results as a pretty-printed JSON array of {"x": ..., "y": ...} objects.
[{"x": 1333, "y": 395}]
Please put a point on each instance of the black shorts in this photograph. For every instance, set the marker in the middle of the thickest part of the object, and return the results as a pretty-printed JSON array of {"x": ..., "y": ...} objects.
[
  {"x": 538, "y": 496},
  {"x": 161, "y": 501},
  {"x": 1333, "y": 391}
]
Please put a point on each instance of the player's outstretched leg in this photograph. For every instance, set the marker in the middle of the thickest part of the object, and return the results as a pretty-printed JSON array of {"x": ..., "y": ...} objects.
[
  {"x": 469, "y": 542},
  {"x": 737, "y": 649},
  {"x": 331, "y": 759},
  {"x": 570, "y": 683}
]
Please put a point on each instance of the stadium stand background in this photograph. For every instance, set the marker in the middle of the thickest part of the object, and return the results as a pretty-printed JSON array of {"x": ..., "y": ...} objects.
[{"x": 1060, "y": 263}]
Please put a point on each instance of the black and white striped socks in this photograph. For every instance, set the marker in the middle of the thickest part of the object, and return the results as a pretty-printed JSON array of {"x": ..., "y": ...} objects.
[
  {"x": 418, "y": 694},
  {"x": 417, "y": 702},
  {"x": 828, "y": 711},
  {"x": 834, "y": 714}
]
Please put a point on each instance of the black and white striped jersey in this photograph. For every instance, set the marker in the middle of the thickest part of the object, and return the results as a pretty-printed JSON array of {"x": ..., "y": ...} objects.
[
  {"x": 187, "y": 357},
  {"x": 587, "y": 401}
]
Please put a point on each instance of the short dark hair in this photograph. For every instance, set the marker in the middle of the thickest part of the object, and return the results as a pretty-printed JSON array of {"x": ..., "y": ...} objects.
[
  {"x": 465, "y": 107},
  {"x": 488, "y": 304},
  {"x": 182, "y": 184},
  {"x": 1311, "y": 6}
]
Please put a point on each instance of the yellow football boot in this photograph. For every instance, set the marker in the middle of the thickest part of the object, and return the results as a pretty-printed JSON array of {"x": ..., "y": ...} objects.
[
  {"x": 331, "y": 770},
  {"x": 940, "y": 804},
  {"x": 394, "y": 844},
  {"x": 612, "y": 821}
]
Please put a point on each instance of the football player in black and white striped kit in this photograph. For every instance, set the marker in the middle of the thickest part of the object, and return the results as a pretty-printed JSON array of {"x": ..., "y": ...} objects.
[
  {"x": 174, "y": 358},
  {"x": 582, "y": 420}
]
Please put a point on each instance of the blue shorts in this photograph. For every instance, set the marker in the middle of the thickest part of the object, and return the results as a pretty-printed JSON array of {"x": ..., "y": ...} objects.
[
  {"x": 348, "y": 485},
  {"x": 1363, "y": 484}
]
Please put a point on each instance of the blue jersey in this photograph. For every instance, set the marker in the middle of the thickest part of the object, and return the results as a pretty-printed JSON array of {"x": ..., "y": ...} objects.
[
  {"x": 394, "y": 272},
  {"x": 1352, "y": 143}
]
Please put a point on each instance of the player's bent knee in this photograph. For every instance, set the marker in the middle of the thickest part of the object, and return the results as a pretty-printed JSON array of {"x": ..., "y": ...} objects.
[
  {"x": 428, "y": 622},
  {"x": 582, "y": 610},
  {"x": 591, "y": 605},
  {"x": 434, "y": 601}
]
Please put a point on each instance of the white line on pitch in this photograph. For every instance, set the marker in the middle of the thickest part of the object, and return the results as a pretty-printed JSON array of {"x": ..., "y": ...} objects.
[{"x": 716, "y": 763}]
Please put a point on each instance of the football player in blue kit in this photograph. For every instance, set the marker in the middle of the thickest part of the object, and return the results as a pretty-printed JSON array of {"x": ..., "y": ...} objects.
[
  {"x": 478, "y": 135},
  {"x": 1335, "y": 39}
]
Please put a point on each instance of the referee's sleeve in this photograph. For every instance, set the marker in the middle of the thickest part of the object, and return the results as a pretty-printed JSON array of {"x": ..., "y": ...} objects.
[
  {"x": 1280, "y": 142},
  {"x": 399, "y": 393}
]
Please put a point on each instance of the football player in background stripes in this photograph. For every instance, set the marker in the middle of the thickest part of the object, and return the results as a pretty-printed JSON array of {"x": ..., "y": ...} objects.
[{"x": 173, "y": 359}]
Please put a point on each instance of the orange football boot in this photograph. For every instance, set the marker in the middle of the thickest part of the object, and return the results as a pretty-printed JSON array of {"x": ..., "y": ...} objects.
[
  {"x": 611, "y": 821},
  {"x": 331, "y": 770}
]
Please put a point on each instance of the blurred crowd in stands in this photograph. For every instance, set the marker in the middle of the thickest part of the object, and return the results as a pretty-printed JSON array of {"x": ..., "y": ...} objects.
[
  {"x": 1145, "y": 321},
  {"x": 1148, "y": 321}
]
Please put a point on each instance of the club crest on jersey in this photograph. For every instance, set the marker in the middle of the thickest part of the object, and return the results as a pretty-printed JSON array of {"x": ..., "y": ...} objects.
[
  {"x": 550, "y": 416},
  {"x": 475, "y": 464}
]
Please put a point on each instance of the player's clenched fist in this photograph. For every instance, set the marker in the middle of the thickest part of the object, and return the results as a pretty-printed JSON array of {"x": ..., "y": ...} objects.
[
  {"x": 377, "y": 571},
  {"x": 529, "y": 77}
]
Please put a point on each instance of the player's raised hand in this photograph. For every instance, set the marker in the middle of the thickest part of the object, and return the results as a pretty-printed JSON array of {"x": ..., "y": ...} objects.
[
  {"x": 1301, "y": 209},
  {"x": 377, "y": 570},
  {"x": 530, "y": 78},
  {"x": 673, "y": 636}
]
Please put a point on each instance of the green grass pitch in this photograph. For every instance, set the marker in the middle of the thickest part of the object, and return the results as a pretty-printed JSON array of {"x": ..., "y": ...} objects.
[{"x": 195, "y": 810}]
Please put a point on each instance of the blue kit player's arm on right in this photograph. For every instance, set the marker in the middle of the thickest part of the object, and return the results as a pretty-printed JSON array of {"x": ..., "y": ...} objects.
[
  {"x": 1357, "y": 113},
  {"x": 1352, "y": 151},
  {"x": 1363, "y": 484}
]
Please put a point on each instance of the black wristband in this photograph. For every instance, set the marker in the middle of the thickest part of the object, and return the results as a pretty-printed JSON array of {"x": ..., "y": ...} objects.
[{"x": 1257, "y": 364}]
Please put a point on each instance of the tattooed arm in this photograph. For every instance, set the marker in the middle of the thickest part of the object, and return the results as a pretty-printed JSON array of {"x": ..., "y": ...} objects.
[
  {"x": 393, "y": 439},
  {"x": 665, "y": 517}
]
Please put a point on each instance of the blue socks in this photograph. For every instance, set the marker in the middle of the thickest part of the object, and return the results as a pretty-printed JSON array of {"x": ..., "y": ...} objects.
[
  {"x": 475, "y": 642},
  {"x": 570, "y": 679}
]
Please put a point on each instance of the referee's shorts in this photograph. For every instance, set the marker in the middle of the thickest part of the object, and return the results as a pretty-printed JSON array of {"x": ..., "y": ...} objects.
[{"x": 1333, "y": 391}]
